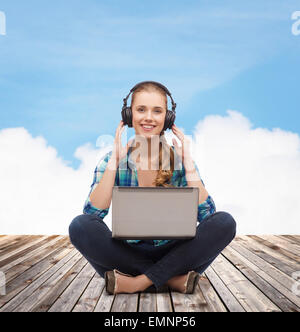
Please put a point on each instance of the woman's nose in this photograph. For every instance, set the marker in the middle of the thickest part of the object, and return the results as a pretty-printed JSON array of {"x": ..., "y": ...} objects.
[{"x": 149, "y": 115}]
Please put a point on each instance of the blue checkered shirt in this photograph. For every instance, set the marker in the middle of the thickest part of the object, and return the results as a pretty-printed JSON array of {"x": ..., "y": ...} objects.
[{"x": 127, "y": 176}]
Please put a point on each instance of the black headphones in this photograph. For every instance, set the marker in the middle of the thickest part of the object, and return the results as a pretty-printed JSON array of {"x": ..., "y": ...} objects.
[{"x": 127, "y": 112}]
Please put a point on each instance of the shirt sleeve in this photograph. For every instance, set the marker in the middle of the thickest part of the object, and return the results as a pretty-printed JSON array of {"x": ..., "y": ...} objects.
[
  {"x": 207, "y": 207},
  {"x": 88, "y": 207}
]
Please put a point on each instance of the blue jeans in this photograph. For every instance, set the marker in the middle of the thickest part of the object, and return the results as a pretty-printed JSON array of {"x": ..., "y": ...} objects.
[{"x": 93, "y": 239}]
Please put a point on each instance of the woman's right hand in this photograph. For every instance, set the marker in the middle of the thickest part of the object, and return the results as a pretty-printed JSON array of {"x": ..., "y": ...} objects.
[{"x": 119, "y": 151}]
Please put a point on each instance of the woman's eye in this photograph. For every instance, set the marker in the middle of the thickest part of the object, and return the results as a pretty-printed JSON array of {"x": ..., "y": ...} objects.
[{"x": 156, "y": 111}]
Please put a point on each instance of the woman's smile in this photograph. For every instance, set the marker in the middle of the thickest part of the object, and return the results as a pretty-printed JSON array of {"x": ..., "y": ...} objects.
[{"x": 147, "y": 127}]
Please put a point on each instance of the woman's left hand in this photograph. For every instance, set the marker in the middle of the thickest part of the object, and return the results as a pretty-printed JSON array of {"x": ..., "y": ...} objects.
[{"x": 184, "y": 150}]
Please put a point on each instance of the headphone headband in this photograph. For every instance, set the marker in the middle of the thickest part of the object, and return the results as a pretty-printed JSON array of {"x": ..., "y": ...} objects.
[{"x": 153, "y": 82}]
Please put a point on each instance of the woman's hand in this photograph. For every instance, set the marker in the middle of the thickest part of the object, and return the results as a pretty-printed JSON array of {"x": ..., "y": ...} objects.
[
  {"x": 184, "y": 150},
  {"x": 119, "y": 151}
]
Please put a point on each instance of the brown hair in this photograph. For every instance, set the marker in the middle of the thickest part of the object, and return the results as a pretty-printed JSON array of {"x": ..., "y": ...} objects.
[{"x": 164, "y": 176}]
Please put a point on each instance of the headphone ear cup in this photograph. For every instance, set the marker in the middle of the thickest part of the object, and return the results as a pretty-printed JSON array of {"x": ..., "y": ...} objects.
[
  {"x": 170, "y": 119},
  {"x": 127, "y": 116}
]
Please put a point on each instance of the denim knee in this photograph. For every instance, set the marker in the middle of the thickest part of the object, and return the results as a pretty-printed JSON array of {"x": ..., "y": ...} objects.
[
  {"x": 227, "y": 224},
  {"x": 75, "y": 228}
]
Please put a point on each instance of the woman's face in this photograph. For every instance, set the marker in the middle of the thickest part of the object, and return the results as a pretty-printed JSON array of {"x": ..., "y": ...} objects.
[{"x": 148, "y": 109}]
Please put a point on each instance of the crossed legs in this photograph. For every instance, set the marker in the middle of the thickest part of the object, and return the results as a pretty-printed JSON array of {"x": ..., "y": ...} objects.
[{"x": 91, "y": 236}]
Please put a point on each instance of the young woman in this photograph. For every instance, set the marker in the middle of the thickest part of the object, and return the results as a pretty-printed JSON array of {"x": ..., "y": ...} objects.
[{"x": 131, "y": 266}]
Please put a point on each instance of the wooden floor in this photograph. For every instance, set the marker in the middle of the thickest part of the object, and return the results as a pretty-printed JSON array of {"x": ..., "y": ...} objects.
[{"x": 46, "y": 273}]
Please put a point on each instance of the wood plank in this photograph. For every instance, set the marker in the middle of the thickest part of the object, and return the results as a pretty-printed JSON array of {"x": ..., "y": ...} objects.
[
  {"x": 68, "y": 299},
  {"x": 231, "y": 303},
  {"x": 269, "y": 286},
  {"x": 22, "y": 244},
  {"x": 147, "y": 302},
  {"x": 270, "y": 256},
  {"x": 290, "y": 239},
  {"x": 250, "y": 297},
  {"x": 288, "y": 245},
  {"x": 125, "y": 302},
  {"x": 105, "y": 300},
  {"x": 28, "y": 246},
  {"x": 11, "y": 248},
  {"x": 38, "y": 276},
  {"x": 88, "y": 300},
  {"x": 293, "y": 237},
  {"x": 54, "y": 292},
  {"x": 210, "y": 295},
  {"x": 279, "y": 249},
  {"x": 16, "y": 285},
  {"x": 195, "y": 302},
  {"x": 11, "y": 240},
  {"x": 7, "y": 239},
  {"x": 33, "y": 301},
  {"x": 23, "y": 263},
  {"x": 253, "y": 273},
  {"x": 164, "y": 302},
  {"x": 270, "y": 272},
  {"x": 57, "y": 283}
]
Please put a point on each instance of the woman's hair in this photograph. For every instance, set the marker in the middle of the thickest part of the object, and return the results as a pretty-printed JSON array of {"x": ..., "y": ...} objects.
[{"x": 164, "y": 176}]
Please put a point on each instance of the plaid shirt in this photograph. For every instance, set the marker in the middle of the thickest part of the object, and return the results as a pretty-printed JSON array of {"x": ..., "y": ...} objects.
[{"x": 127, "y": 176}]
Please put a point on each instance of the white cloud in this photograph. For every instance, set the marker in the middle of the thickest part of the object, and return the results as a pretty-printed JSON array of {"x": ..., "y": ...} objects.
[
  {"x": 254, "y": 174},
  {"x": 40, "y": 194}
]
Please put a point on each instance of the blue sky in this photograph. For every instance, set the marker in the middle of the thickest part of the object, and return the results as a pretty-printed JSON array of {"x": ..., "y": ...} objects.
[{"x": 65, "y": 66}]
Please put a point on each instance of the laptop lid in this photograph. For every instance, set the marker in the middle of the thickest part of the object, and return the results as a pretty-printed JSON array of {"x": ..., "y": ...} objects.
[{"x": 154, "y": 212}]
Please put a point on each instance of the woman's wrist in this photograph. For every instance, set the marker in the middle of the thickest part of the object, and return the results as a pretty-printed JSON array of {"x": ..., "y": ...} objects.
[
  {"x": 113, "y": 163},
  {"x": 188, "y": 165}
]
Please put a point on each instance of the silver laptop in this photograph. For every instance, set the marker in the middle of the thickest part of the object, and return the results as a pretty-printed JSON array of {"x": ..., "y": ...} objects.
[{"x": 154, "y": 212}]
